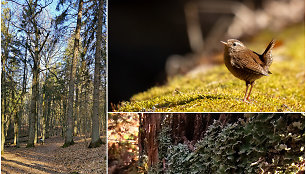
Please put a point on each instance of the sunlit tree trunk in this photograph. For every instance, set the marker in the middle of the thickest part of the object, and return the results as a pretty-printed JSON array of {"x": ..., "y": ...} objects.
[
  {"x": 40, "y": 118},
  {"x": 44, "y": 118},
  {"x": 37, "y": 114},
  {"x": 17, "y": 126},
  {"x": 69, "y": 131},
  {"x": 35, "y": 92},
  {"x": 5, "y": 32},
  {"x": 33, "y": 107},
  {"x": 48, "y": 115},
  {"x": 2, "y": 133},
  {"x": 76, "y": 115},
  {"x": 63, "y": 104},
  {"x": 3, "y": 102},
  {"x": 3, "y": 111},
  {"x": 95, "y": 133}
]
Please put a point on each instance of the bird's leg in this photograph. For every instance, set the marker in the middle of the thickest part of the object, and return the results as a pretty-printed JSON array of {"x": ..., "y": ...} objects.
[
  {"x": 252, "y": 84},
  {"x": 246, "y": 90}
]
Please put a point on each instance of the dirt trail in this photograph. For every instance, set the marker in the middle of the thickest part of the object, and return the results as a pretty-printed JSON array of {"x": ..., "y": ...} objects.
[{"x": 52, "y": 159}]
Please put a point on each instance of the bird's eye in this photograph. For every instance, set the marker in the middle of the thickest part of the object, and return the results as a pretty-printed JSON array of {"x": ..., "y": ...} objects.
[{"x": 234, "y": 44}]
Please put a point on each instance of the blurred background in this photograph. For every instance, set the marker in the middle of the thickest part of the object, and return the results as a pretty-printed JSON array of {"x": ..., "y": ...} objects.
[{"x": 154, "y": 40}]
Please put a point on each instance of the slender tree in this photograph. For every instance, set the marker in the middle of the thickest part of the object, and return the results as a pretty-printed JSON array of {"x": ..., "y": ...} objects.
[
  {"x": 95, "y": 133},
  {"x": 69, "y": 132},
  {"x": 10, "y": 61},
  {"x": 5, "y": 42}
]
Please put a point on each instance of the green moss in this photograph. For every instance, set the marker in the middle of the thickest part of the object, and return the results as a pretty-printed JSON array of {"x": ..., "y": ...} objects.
[{"x": 219, "y": 91}]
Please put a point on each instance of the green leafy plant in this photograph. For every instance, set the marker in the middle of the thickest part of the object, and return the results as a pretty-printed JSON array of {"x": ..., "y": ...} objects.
[{"x": 263, "y": 143}]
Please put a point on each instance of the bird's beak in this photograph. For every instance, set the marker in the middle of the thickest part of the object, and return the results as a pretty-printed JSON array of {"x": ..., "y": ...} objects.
[{"x": 223, "y": 42}]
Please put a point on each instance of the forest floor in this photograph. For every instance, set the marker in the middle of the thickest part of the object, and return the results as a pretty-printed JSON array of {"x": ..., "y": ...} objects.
[{"x": 52, "y": 158}]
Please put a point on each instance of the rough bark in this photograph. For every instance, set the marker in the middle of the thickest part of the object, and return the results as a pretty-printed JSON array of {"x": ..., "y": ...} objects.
[
  {"x": 69, "y": 132},
  {"x": 95, "y": 133},
  {"x": 83, "y": 95},
  {"x": 2, "y": 130},
  {"x": 4, "y": 58},
  {"x": 33, "y": 107},
  {"x": 17, "y": 125},
  {"x": 47, "y": 133},
  {"x": 3, "y": 105},
  {"x": 45, "y": 116},
  {"x": 39, "y": 128},
  {"x": 150, "y": 126},
  {"x": 35, "y": 84},
  {"x": 76, "y": 115},
  {"x": 17, "y": 128}
]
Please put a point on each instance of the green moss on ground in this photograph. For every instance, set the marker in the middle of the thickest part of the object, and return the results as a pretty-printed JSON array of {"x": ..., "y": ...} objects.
[{"x": 219, "y": 91}]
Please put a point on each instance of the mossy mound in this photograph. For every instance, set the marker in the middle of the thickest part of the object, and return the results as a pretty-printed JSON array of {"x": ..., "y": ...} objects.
[{"x": 219, "y": 91}]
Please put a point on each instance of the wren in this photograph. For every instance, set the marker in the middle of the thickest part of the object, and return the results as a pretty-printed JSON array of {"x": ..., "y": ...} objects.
[{"x": 246, "y": 64}]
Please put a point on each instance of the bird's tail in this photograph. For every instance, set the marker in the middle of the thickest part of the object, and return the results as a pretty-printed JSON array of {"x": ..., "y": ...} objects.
[
  {"x": 267, "y": 55},
  {"x": 269, "y": 47}
]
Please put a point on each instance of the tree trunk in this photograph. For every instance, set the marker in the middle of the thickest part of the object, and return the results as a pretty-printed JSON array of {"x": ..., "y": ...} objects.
[
  {"x": 17, "y": 127},
  {"x": 150, "y": 126},
  {"x": 35, "y": 87},
  {"x": 83, "y": 97},
  {"x": 103, "y": 118},
  {"x": 86, "y": 122},
  {"x": 4, "y": 58},
  {"x": 21, "y": 107},
  {"x": 33, "y": 110},
  {"x": 95, "y": 133},
  {"x": 40, "y": 118},
  {"x": 76, "y": 115},
  {"x": 63, "y": 104},
  {"x": 2, "y": 132},
  {"x": 69, "y": 131},
  {"x": 3, "y": 110},
  {"x": 48, "y": 115},
  {"x": 44, "y": 118},
  {"x": 37, "y": 116}
]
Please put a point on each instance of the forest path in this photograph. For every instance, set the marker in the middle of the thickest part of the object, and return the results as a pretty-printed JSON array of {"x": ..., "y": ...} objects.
[{"x": 52, "y": 159}]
